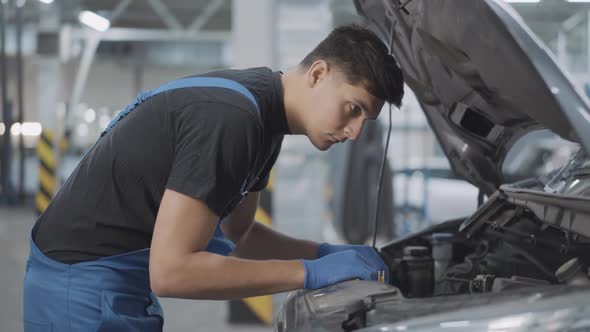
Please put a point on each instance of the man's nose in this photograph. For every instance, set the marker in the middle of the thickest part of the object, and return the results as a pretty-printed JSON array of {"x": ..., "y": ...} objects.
[{"x": 354, "y": 128}]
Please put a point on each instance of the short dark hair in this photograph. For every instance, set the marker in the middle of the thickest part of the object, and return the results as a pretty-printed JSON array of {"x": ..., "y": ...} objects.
[{"x": 363, "y": 58}]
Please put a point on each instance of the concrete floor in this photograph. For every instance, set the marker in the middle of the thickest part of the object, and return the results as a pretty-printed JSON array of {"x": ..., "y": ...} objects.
[{"x": 181, "y": 315}]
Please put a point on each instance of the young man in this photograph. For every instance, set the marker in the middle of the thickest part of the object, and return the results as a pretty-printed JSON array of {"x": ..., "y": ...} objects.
[{"x": 142, "y": 211}]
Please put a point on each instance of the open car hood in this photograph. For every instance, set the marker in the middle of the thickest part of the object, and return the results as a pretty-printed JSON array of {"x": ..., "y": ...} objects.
[{"x": 483, "y": 79}]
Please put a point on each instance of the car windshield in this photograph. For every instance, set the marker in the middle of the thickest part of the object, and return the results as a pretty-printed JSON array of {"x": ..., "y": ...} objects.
[
  {"x": 537, "y": 154},
  {"x": 573, "y": 178}
]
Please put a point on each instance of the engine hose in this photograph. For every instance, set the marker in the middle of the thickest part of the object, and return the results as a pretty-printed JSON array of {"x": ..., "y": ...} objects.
[{"x": 548, "y": 273}]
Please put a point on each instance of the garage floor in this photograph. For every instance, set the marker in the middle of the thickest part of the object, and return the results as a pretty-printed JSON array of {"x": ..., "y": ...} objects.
[{"x": 181, "y": 315}]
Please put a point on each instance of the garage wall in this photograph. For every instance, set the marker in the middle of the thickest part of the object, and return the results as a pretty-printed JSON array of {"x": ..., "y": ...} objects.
[{"x": 109, "y": 84}]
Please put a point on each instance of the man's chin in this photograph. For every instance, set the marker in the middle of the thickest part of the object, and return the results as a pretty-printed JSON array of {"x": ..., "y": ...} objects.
[{"x": 322, "y": 146}]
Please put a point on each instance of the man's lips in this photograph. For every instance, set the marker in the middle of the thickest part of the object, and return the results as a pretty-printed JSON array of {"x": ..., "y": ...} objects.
[{"x": 335, "y": 139}]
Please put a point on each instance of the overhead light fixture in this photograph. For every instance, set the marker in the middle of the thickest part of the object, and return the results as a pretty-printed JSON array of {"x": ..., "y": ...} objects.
[
  {"x": 46, "y": 1},
  {"x": 523, "y": 1},
  {"x": 26, "y": 129},
  {"x": 94, "y": 20}
]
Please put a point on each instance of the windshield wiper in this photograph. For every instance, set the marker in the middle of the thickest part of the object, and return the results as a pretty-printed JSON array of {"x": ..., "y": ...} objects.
[{"x": 558, "y": 181}]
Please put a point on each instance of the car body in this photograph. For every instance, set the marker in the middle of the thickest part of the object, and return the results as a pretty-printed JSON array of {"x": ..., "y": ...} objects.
[{"x": 520, "y": 262}]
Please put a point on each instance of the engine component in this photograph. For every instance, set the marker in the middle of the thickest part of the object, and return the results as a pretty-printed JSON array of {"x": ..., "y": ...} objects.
[
  {"x": 482, "y": 283},
  {"x": 442, "y": 252},
  {"x": 416, "y": 272},
  {"x": 516, "y": 282},
  {"x": 572, "y": 272}
]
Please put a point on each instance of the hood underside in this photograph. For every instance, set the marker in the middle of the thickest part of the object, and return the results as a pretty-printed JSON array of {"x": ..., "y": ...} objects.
[{"x": 482, "y": 78}]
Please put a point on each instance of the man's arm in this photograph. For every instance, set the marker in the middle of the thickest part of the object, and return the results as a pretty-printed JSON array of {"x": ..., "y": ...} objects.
[
  {"x": 180, "y": 268},
  {"x": 257, "y": 241}
]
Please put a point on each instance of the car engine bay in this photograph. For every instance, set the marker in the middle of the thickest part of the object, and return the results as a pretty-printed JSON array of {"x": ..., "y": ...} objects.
[{"x": 531, "y": 233}]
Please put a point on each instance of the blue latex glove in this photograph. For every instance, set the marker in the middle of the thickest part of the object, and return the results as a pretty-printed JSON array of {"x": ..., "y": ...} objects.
[
  {"x": 368, "y": 253},
  {"x": 340, "y": 266}
]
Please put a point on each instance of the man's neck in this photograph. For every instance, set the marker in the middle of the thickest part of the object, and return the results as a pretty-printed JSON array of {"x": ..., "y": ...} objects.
[{"x": 291, "y": 92}]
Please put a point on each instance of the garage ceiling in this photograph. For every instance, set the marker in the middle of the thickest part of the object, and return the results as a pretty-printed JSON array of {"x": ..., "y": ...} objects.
[
  {"x": 544, "y": 17},
  {"x": 159, "y": 14}
]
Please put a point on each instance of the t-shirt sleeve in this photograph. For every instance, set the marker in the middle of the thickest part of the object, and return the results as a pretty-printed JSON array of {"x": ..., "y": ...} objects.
[{"x": 215, "y": 148}]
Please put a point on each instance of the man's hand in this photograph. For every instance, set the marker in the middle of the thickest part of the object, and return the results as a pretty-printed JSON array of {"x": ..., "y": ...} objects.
[
  {"x": 337, "y": 267},
  {"x": 367, "y": 252}
]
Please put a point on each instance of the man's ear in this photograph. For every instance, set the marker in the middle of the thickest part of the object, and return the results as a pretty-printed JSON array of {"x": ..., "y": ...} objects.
[{"x": 317, "y": 72}]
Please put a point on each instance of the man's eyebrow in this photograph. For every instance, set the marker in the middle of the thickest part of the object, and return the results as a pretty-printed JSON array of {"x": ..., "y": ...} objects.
[{"x": 366, "y": 109}]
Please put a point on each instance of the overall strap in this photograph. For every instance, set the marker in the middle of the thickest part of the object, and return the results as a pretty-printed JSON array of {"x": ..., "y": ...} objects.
[
  {"x": 205, "y": 82},
  {"x": 189, "y": 82}
]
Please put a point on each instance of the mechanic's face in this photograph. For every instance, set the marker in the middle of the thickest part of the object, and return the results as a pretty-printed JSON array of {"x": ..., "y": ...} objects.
[{"x": 335, "y": 109}]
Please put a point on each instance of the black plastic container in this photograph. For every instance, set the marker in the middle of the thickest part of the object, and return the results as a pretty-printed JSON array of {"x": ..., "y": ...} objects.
[{"x": 416, "y": 272}]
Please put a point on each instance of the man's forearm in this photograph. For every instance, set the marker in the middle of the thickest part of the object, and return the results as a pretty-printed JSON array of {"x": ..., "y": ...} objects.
[
  {"x": 203, "y": 275},
  {"x": 262, "y": 242}
]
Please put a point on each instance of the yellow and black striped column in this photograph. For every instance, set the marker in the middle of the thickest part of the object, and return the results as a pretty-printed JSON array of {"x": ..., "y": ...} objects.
[
  {"x": 64, "y": 142},
  {"x": 257, "y": 309},
  {"x": 47, "y": 171}
]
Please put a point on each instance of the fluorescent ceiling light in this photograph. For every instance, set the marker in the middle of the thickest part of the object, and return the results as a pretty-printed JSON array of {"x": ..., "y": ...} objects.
[
  {"x": 94, "y": 20},
  {"x": 523, "y": 1},
  {"x": 46, "y": 1}
]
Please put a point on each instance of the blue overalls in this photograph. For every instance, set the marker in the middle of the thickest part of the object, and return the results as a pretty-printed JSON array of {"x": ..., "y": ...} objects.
[{"x": 111, "y": 293}]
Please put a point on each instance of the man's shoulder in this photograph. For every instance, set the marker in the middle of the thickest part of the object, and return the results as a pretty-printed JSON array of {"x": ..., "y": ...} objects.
[
  {"x": 238, "y": 75},
  {"x": 212, "y": 115},
  {"x": 211, "y": 100}
]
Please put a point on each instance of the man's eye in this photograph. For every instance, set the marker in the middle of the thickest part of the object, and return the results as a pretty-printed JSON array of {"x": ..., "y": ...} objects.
[{"x": 356, "y": 110}]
